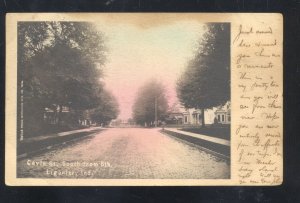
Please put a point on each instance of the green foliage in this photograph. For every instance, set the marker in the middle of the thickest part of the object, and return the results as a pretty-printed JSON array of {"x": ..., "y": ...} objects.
[
  {"x": 56, "y": 78},
  {"x": 107, "y": 110},
  {"x": 60, "y": 65},
  {"x": 206, "y": 81},
  {"x": 33, "y": 37},
  {"x": 144, "y": 105}
]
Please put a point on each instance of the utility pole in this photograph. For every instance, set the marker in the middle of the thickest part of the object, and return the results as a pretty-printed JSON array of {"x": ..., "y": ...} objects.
[{"x": 155, "y": 111}]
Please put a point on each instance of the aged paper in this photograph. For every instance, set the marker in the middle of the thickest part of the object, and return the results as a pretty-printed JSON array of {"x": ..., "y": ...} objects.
[
  {"x": 98, "y": 70},
  {"x": 257, "y": 131}
]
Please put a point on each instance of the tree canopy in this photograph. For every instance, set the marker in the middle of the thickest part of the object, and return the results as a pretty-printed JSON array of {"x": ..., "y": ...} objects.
[
  {"x": 34, "y": 37},
  {"x": 150, "y": 95},
  {"x": 61, "y": 61},
  {"x": 60, "y": 65},
  {"x": 206, "y": 80},
  {"x": 107, "y": 110}
]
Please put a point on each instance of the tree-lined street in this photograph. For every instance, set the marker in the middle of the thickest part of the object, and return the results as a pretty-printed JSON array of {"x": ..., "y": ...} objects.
[
  {"x": 126, "y": 153},
  {"x": 65, "y": 86}
]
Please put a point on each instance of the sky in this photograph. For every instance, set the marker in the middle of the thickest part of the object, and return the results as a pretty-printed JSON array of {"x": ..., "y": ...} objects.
[{"x": 137, "y": 54}]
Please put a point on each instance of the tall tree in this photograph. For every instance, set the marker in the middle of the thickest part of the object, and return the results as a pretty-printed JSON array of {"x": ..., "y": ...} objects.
[
  {"x": 60, "y": 65},
  {"x": 150, "y": 98},
  {"x": 107, "y": 110},
  {"x": 206, "y": 80},
  {"x": 65, "y": 81}
]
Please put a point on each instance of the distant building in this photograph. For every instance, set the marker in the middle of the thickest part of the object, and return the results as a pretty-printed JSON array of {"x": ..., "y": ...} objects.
[
  {"x": 175, "y": 115},
  {"x": 122, "y": 123}
]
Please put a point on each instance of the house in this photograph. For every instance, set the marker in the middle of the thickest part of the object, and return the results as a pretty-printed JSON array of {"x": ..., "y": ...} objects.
[
  {"x": 67, "y": 116},
  {"x": 183, "y": 116},
  {"x": 190, "y": 116},
  {"x": 50, "y": 116},
  {"x": 175, "y": 115},
  {"x": 223, "y": 114}
]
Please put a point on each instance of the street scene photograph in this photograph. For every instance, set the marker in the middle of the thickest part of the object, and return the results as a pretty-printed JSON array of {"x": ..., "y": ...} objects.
[{"x": 107, "y": 99}]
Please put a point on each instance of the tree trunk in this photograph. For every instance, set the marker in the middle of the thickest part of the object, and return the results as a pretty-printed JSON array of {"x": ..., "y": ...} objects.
[
  {"x": 202, "y": 118},
  {"x": 54, "y": 119},
  {"x": 59, "y": 115}
]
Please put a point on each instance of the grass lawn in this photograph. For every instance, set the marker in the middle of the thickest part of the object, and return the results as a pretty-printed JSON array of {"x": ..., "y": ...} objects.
[{"x": 219, "y": 131}]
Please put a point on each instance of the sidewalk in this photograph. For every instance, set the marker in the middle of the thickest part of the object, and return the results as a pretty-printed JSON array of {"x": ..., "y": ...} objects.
[
  {"x": 217, "y": 146},
  {"x": 49, "y": 136},
  {"x": 38, "y": 144},
  {"x": 203, "y": 137}
]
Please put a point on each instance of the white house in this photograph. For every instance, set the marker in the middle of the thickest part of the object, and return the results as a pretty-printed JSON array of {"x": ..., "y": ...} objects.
[
  {"x": 222, "y": 113},
  {"x": 191, "y": 116}
]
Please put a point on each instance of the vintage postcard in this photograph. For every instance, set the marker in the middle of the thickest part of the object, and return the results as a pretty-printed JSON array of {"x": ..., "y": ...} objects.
[{"x": 96, "y": 99}]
